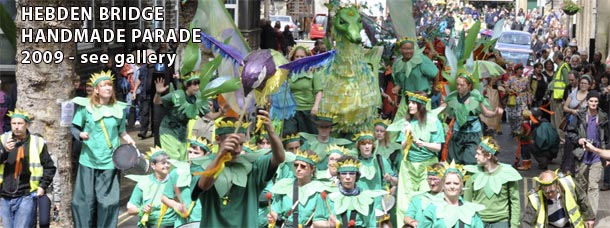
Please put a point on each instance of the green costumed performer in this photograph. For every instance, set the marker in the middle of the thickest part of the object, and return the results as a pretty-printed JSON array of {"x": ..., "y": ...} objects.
[
  {"x": 419, "y": 202},
  {"x": 384, "y": 145},
  {"x": 351, "y": 206},
  {"x": 428, "y": 136},
  {"x": 413, "y": 72},
  {"x": 99, "y": 122},
  {"x": 329, "y": 175},
  {"x": 494, "y": 185},
  {"x": 230, "y": 186},
  {"x": 451, "y": 210},
  {"x": 177, "y": 192},
  {"x": 301, "y": 208},
  {"x": 319, "y": 143},
  {"x": 145, "y": 200}
]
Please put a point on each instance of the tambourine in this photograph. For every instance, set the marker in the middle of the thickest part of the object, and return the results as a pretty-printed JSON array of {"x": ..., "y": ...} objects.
[{"x": 129, "y": 160}]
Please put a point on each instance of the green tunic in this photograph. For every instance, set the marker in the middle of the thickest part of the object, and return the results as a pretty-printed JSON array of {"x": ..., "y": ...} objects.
[
  {"x": 312, "y": 143},
  {"x": 182, "y": 178},
  {"x": 304, "y": 87},
  {"x": 310, "y": 202},
  {"x": 392, "y": 150},
  {"x": 440, "y": 214},
  {"x": 371, "y": 177},
  {"x": 233, "y": 200},
  {"x": 415, "y": 74},
  {"x": 418, "y": 205},
  {"x": 181, "y": 108},
  {"x": 95, "y": 152},
  {"x": 149, "y": 191},
  {"x": 497, "y": 191},
  {"x": 362, "y": 203}
]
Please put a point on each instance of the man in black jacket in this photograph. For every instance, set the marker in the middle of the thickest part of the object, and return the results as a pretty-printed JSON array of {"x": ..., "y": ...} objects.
[{"x": 26, "y": 170}]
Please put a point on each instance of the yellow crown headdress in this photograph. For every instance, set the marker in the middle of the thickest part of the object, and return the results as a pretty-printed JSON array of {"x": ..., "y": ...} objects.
[
  {"x": 455, "y": 168},
  {"x": 228, "y": 126},
  {"x": 154, "y": 152},
  {"x": 363, "y": 135},
  {"x": 349, "y": 165},
  {"x": 406, "y": 39},
  {"x": 96, "y": 78},
  {"x": 249, "y": 147},
  {"x": 466, "y": 75},
  {"x": 297, "y": 47},
  {"x": 327, "y": 117},
  {"x": 549, "y": 182},
  {"x": 331, "y": 149},
  {"x": 417, "y": 97},
  {"x": 291, "y": 138},
  {"x": 488, "y": 145},
  {"x": 435, "y": 171},
  {"x": 382, "y": 122},
  {"x": 312, "y": 159},
  {"x": 201, "y": 142},
  {"x": 190, "y": 76},
  {"x": 22, "y": 114}
]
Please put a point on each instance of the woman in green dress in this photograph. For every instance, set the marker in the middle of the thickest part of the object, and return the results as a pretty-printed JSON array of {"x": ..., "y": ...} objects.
[
  {"x": 494, "y": 185},
  {"x": 451, "y": 210},
  {"x": 422, "y": 137},
  {"x": 351, "y": 206},
  {"x": 308, "y": 205},
  {"x": 99, "y": 122}
]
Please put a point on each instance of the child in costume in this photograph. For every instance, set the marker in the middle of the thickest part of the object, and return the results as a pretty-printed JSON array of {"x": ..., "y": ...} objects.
[
  {"x": 420, "y": 202},
  {"x": 494, "y": 185},
  {"x": 145, "y": 199},
  {"x": 351, "y": 206},
  {"x": 451, "y": 210},
  {"x": 177, "y": 193},
  {"x": 99, "y": 122},
  {"x": 422, "y": 139},
  {"x": 335, "y": 153},
  {"x": 526, "y": 141},
  {"x": 301, "y": 208}
]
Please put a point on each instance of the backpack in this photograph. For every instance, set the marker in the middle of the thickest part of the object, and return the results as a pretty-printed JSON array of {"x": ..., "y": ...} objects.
[{"x": 546, "y": 137}]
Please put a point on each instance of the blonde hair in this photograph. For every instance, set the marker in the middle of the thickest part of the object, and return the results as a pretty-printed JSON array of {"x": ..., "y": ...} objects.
[{"x": 95, "y": 97}]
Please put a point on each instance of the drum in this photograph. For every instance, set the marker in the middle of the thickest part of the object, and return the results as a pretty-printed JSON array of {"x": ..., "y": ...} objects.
[
  {"x": 129, "y": 160},
  {"x": 189, "y": 225},
  {"x": 383, "y": 219}
]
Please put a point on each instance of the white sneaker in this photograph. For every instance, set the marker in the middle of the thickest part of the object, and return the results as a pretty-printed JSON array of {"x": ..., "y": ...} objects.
[{"x": 137, "y": 124}]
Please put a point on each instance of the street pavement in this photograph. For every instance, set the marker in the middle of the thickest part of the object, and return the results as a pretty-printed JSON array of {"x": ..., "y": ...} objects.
[{"x": 507, "y": 155}]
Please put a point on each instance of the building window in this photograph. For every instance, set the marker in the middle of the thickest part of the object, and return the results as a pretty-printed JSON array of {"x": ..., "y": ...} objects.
[
  {"x": 160, "y": 24},
  {"x": 231, "y": 6}
]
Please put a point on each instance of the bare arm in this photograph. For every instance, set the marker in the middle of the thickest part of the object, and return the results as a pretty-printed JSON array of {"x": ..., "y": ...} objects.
[
  {"x": 316, "y": 103},
  {"x": 127, "y": 138},
  {"x": 605, "y": 154},
  {"x": 489, "y": 113},
  {"x": 276, "y": 144},
  {"x": 566, "y": 106},
  {"x": 160, "y": 87}
]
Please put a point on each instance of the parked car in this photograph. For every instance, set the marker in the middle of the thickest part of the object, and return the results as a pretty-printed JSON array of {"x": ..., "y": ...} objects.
[
  {"x": 318, "y": 27},
  {"x": 284, "y": 20},
  {"x": 516, "y": 47}
]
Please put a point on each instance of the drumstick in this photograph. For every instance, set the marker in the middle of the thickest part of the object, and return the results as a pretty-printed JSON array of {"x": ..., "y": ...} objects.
[
  {"x": 268, "y": 196},
  {"x": 310, "y": 217},
  {"x": 326, "y": 201}
]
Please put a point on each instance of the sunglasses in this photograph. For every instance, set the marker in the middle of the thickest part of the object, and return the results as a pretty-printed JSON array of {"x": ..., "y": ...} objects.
[
  {"x": 302, "y": 166},
  {"x": 193, "y": 82}
]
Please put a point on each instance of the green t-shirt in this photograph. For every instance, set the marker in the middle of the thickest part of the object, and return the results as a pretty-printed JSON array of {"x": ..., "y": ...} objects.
[
  {"x": 95, "y": 152},
  {"x": 312, "y": 143},
  {"x": 241, "y": 205},
  {"x": 421, "y": 71},
  {"x": 304, "y": 87},
  {"x": 185, "y": 192},
  {"x": 149, "y": 191}
]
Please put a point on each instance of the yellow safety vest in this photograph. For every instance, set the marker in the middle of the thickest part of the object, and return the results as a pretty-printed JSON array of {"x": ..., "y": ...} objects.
[
  {"x": 536, "y": 198},
  {"x": 559, "y": 83},
  {"x": 35, "y": 149}
]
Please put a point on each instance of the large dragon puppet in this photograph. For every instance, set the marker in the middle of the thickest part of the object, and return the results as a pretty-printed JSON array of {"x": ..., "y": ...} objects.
[{"x": 349, "y": 72}]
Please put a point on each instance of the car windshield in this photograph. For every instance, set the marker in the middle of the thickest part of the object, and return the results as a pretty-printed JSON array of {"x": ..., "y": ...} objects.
[
  {"x": 515, "y": 39},
  {"x": 516, "y": 57},
  {"x": 321, "y": 19},
  {"x": 282, "y": 19}
]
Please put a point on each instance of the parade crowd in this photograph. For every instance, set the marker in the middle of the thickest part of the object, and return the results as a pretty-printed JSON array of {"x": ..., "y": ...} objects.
[{"x": 427, "y": 157}]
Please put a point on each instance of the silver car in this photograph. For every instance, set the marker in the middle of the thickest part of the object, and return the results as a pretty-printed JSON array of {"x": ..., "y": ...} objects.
[{"x": 284, "y": 20}]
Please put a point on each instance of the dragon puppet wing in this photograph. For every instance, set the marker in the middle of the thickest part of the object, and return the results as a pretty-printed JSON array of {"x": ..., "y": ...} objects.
[{"x": 402, "y": 17}]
